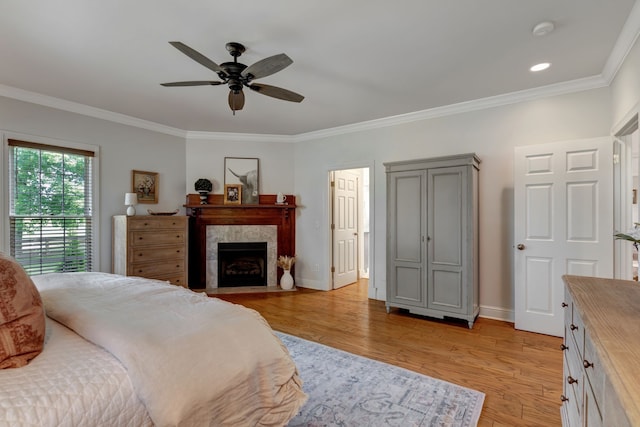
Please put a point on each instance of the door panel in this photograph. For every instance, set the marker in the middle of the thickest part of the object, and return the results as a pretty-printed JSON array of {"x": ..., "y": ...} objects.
[
  {"x": 563, "y": 224},
  {"x": 406, "y": 253},
  {"x": 409, "y": 285},
  {"x": 446, "y": 219},
  {"x": 345, "y": 231}
]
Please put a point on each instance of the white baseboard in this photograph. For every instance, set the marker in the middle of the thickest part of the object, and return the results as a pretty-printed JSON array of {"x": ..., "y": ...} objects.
[
  {"x": 497, "y": 313},
  {"x": 312, "y": 284}
]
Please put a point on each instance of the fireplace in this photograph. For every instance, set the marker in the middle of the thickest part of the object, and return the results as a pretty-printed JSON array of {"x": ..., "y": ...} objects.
[
  {"x": 217, "y": 222},
  {"x": 242, "y": 264}
]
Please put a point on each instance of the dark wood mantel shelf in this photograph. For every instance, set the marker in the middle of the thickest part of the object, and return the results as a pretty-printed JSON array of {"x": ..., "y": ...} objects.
[{"x": 215, "y": 212}]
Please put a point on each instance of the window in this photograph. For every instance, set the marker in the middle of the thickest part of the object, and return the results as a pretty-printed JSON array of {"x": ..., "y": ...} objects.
[{"x": 50, "y": 207}]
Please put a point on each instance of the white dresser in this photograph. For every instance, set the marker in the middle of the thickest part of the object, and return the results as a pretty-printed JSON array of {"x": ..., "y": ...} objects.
[{"x": 601, "y": 385}]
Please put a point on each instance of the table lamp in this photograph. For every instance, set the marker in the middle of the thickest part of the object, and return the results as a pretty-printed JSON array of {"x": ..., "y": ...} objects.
[{"x": 131, "y": 199}]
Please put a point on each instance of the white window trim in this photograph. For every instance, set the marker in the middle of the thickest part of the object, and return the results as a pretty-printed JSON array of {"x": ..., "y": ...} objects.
[{"x": 4, "y": 185}]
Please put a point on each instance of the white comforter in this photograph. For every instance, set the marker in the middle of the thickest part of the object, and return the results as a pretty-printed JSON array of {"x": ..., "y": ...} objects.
[{"x": 192, "y": 360}]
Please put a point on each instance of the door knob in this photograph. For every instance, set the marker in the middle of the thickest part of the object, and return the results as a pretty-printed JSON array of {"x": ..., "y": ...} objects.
[{"x": 520, "y": 246}]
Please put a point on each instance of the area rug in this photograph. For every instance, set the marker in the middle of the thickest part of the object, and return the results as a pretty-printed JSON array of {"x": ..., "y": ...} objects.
[{"x": 349, "y": 390}]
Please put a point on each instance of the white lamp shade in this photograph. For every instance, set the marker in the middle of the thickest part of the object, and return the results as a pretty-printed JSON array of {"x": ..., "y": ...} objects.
[{"x": 130, "y": 199}]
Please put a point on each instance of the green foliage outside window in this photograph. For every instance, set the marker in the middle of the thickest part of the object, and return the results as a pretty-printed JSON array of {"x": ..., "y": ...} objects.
[{"x": 51, "y": 210}]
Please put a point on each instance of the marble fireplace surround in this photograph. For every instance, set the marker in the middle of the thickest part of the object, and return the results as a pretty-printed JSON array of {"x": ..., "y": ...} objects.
[{"x": 240, "y": 233}]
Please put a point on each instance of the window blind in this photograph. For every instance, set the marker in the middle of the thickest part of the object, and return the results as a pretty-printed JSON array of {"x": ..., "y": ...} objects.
[{"x": 51, "y": 207}]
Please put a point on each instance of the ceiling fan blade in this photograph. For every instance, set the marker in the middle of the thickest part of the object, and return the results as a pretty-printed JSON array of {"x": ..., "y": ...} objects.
[
  {"x": 267, "y": 66},
  {"x": 236, "y": 100},
  {"x": 192, "y": 83},
  {"x": 198, "y": 57},
  {"x": 276, "y": 92}
]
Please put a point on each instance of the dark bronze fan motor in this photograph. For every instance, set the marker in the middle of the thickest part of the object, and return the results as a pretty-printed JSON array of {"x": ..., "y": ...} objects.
[{"x": 237, "y": 75}]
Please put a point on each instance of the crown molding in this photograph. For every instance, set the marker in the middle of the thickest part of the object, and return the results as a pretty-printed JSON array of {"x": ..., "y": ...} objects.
[
  {"x": 448, "y": 110},
  {"x": 85, "y": 110},
  {"x": 239, "y": 137},
  {"x": 625, "y": 42},
  {"x": 563, "y": 88}
]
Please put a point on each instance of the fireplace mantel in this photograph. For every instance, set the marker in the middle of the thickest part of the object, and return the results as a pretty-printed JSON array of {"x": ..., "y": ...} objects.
[{"x": 267, "y": 212}]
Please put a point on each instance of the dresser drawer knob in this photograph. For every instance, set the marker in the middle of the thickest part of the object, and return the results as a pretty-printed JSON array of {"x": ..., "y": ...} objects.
[
  {"x": 564, "y": 304},
  {"x": 573, "y": 327},
  {"x": 587, "y": 364},
  {"x": 571, "y": 380},
  {"x": 563, "y": 347},
  {"x": 564, "y": 398}
]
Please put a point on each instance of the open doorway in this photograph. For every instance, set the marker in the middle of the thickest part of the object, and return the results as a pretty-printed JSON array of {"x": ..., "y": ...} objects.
[
  {"x": 349, "y": 225},
  {"x": 626, "y": 202}
]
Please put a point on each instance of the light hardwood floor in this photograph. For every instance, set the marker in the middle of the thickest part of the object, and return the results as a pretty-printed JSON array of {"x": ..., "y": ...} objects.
[{"x": 520, "y": 372}]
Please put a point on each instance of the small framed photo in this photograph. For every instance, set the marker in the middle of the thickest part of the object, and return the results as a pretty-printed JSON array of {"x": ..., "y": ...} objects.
[
  {"x": 232, "y": 194},
  {"x": 145, "y": 185},
  {"x": 243, "y": 171}
]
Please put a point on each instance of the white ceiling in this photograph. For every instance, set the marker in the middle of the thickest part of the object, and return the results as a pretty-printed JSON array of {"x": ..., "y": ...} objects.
[{"x": 354, "y": 60}]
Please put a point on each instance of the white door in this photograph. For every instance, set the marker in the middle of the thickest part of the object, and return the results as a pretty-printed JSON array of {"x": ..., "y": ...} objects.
[
  {"x": 563, "y": 203},
  {"x": 345, "y": 228}
]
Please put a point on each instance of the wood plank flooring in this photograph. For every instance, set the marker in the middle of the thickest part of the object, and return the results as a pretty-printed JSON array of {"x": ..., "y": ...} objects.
[{"x": 520, "y": 372}]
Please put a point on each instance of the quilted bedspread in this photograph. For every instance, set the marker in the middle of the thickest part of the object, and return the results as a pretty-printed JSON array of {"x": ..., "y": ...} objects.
[
  {"x": 71, "y": 383},
  {"x": 189, "y": 359}
]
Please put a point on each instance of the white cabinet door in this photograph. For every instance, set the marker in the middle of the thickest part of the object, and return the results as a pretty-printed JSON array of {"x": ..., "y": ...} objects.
[{"x": 563, "y": 203}]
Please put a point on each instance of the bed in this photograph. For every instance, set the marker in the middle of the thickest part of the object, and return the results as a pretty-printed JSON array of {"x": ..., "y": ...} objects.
[{"x": 128, "y": 351}]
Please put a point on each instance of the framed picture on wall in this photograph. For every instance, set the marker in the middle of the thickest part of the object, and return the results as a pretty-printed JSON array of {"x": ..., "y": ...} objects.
[
  {"x": 243, "y": 171},
  {"x": 145, "y": 185},
  {"x": 233, "y": 194}
]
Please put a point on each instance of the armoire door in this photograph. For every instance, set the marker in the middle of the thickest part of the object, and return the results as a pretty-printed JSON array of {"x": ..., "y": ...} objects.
[
  {"x": 406, "y": 249},
  {"x": 446, "y": 228}
]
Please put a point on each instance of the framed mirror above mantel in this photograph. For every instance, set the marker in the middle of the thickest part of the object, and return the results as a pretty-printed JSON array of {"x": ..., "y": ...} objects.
[{"x": 216, "y": 212}]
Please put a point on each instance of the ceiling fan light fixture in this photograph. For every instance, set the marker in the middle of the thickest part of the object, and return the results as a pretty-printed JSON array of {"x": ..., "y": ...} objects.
[
  {"x": 540, "y": 67},
  {"x": 237, "y": 75}
]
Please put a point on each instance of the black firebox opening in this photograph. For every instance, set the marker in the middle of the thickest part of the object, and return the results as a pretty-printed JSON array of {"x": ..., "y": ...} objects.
[{"x": 242, "y": 264}]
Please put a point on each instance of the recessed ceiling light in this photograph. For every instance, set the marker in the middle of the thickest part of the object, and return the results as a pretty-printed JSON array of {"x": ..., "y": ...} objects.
[
  {"x": 540, "y": 67},
  {"x": 543, "y": 28}
]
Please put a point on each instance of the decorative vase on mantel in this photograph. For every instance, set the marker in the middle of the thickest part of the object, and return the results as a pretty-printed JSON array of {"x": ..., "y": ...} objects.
[
  {"x": 203, "y": 197},
  {"x": 203, "y": 186},
  {"x": 286, "y": 281}
]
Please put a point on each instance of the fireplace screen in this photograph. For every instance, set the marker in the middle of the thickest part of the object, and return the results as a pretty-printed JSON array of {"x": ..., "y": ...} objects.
[{"x": 242, "y": 264}]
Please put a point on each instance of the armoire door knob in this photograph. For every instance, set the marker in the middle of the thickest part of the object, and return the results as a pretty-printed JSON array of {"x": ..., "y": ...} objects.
[{"x": 520, "y": 246}]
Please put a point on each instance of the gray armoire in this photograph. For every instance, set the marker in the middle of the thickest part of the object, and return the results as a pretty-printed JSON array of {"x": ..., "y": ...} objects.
[{"x": 432, "y": 236}]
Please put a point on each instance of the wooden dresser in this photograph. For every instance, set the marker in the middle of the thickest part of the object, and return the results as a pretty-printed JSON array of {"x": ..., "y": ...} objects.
[
  {"x": 601, "y": 347},
  {"x": 151, "y": 246}
]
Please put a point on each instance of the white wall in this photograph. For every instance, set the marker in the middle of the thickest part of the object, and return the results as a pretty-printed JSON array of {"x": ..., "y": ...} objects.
[
  {"x": 122, "y": 149},
  {"x": 205, "y": 159},
  {"x": 490, "y": 133}
]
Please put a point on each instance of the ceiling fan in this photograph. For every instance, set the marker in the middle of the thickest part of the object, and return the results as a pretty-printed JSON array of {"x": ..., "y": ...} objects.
[{"x": 237, "y": 75}]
